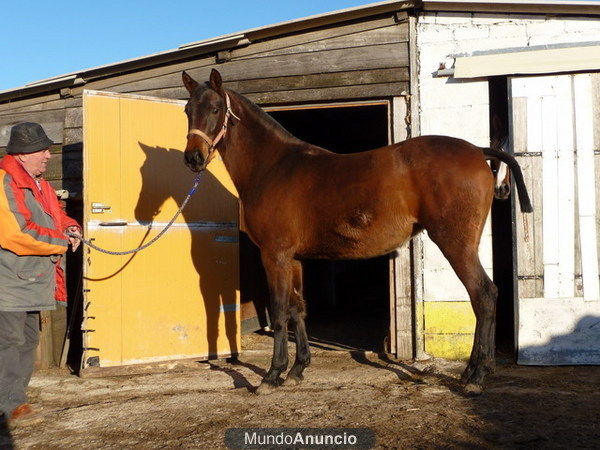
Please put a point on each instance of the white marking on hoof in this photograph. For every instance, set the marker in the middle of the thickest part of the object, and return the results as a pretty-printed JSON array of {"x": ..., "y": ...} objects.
[
  {"x": 291, "y": 381},
  {"x": 472, "y": 389},
  {"x": 264, "y": 389}
]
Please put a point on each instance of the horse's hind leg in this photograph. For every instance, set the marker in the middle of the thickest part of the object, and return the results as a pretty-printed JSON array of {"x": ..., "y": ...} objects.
[
  {"x": 279, "y": 272},
  {"x": 298, "y": 314},
  {"x": 460, "y": 247}
]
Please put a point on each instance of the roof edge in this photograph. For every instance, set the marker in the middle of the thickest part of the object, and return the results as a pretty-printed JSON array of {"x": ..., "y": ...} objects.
[{"x": 575, "y": 7}]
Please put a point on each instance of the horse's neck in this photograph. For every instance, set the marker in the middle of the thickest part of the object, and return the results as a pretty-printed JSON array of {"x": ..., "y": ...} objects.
[{"x": 253, "y": 147}]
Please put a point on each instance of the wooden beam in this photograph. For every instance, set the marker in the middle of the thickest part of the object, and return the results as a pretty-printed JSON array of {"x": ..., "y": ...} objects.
[
  {"x": 303, "y": 95},
  {"x": 46, "y": 351},
  {"x": 41, "y": 105},
  {"x": 403, "y": 304},
  {"x": 273, "y": 84},
  {"x": 586, "y": 184},
  {"x": 330, "y": 39},
  {"x": 415, "y": 117},
  {"x": 54, "y": 128},
  {"x": 337, "y": 93}
]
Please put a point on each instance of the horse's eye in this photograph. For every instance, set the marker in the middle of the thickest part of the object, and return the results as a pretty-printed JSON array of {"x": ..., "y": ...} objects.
[{"x": 215, "y": 111}]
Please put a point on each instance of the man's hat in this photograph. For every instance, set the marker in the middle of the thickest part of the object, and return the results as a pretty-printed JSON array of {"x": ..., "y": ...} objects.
[{"x": 27, "y": 137}]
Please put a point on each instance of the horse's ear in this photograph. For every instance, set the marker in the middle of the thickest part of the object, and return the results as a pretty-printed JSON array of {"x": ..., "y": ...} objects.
[
  {"x": 189, "y": 83},
  {"x": 216, "y": 82}
]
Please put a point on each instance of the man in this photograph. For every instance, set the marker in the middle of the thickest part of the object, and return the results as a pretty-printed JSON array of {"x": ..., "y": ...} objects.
[{"x": 32, "y": 242}]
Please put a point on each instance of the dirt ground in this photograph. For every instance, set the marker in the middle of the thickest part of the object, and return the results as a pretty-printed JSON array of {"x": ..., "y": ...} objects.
[{"x": 408, "y": 405}]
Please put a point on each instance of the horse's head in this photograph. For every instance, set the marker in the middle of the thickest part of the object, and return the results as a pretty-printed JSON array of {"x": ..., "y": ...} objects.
[{"x": 208, "y": 113}]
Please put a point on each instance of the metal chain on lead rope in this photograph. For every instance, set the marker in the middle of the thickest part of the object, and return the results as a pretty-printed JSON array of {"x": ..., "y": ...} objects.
[{"x": 155, "y": 238}]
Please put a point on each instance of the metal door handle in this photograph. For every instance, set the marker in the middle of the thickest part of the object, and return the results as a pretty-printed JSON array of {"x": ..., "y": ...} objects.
[{"x": 115, "y": 223}]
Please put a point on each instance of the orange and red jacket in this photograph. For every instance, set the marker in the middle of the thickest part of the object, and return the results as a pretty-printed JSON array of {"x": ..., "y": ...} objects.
[{"x": 32, "y": 227}]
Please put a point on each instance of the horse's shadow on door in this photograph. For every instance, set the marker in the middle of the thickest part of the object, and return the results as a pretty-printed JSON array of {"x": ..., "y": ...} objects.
[{"x": 165, "y": 176}]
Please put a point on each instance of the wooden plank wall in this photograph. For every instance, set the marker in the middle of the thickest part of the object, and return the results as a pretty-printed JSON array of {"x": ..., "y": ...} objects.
[
  {"x": 530, "y": 260},
  {"x": 48, "y": 111}
]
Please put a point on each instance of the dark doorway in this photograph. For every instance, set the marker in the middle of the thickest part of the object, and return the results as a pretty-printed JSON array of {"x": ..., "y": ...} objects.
[
  {"x": 502, "y": 226},
  {"x": 347, "y": 301}
]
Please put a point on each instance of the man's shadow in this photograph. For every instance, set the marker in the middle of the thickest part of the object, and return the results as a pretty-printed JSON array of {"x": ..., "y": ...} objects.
[{"x": 165, "y": 176}]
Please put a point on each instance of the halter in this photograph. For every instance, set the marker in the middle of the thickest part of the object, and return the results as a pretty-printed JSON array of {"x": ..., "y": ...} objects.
[{"x": 213, "y": 143}]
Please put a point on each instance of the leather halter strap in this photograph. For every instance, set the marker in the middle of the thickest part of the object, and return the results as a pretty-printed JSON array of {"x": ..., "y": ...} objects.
[{"x": 213, "y": 143}]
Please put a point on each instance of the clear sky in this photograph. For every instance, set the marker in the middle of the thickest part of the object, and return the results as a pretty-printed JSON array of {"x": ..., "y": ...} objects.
[{"x": 42, "y": 38}]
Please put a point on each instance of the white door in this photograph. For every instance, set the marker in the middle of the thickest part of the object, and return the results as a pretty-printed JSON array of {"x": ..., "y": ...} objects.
[{"x": 555, "y": 132}]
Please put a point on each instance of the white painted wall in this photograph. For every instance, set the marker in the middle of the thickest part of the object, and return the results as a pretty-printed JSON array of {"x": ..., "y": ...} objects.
[{"x": 460, "y": 108}]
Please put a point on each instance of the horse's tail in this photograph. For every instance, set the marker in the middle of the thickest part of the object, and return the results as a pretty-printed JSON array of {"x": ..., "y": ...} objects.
[{"x": 513, "y": 165}]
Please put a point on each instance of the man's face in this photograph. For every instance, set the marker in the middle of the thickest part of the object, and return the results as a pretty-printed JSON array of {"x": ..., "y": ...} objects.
[{"x": 35, "y": 163}]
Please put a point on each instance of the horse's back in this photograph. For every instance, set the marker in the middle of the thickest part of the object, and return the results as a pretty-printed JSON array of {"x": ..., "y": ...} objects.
[{"x": 439, "y": 150}]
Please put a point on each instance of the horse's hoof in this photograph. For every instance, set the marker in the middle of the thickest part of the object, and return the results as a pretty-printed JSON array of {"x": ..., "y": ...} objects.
[
  {"x": 264, "y": 389},
  {"x": 292, "y": 381},
  {"x": 473, "y": 389}
]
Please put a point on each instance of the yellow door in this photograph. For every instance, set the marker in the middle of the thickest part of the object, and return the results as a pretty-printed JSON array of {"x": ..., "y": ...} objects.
[{"x": 179, "y": 298}]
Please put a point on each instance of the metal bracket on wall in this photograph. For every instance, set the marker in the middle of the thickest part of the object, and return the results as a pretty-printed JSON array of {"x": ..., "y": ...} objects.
[
  {"x": 401, "y": 17},
  {"x": 223, "y": 56},
  {"x": 528, "y": 154},
  {"x": 66, "y": 93}
]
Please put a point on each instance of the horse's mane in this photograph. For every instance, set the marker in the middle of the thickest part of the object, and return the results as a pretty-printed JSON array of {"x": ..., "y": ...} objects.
[{"x": 264, "y": 117}]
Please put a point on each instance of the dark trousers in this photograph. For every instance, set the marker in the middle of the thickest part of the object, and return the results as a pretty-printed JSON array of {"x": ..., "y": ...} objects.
[{"x": 19, "y": 337}]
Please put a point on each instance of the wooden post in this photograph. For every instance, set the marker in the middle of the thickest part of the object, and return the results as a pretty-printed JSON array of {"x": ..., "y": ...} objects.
[
  {"x": 45, "y": 350},
  {"x": 401, "y": 304}
]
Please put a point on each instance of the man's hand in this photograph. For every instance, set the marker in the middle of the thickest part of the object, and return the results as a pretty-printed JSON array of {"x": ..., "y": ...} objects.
[{"x": 74, "y": 241}]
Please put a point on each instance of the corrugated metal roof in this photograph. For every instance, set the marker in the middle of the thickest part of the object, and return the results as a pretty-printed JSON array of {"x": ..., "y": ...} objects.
[{"x": 233, "y": 40}]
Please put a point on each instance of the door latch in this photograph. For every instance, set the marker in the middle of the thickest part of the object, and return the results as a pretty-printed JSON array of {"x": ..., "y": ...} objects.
[
  {"x": 99, "y": 208},
  {"x": 116, "y": 223}
]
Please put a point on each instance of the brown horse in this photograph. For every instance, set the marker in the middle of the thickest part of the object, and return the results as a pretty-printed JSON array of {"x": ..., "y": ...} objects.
[{"x": 301, "y": 201}]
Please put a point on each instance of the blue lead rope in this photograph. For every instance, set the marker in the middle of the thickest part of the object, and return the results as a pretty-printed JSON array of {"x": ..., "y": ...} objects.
[{"x": 155, "y": 238}]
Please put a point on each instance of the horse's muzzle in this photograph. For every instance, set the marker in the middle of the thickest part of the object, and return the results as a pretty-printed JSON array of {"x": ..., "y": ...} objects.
[{"x": 194, "y": 160}]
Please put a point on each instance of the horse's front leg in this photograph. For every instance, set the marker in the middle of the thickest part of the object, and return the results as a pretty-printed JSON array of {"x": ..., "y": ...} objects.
[{"x": 278, "y": 268}]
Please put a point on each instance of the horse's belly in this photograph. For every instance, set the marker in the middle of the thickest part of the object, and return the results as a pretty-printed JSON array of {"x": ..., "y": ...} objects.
[{"x": 347, "y": 242}]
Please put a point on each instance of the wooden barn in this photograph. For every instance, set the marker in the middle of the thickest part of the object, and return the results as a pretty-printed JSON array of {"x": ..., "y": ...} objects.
[{"x": 350, "y": 80}]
